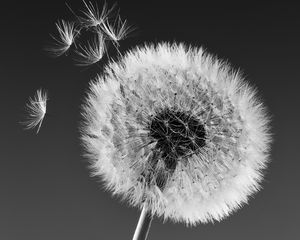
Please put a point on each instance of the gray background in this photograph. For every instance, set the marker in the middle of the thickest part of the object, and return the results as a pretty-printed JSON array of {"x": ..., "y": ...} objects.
[{"x": 46, "y": 191}]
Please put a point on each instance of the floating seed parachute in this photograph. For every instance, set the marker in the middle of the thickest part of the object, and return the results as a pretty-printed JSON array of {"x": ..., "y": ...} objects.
[
  {"x": 36, "y": 109},
  {"x": 174, "y": 127}
]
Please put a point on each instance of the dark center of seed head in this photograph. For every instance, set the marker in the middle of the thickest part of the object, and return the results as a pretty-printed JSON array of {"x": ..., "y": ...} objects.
[{"x": 177, "y": 134}]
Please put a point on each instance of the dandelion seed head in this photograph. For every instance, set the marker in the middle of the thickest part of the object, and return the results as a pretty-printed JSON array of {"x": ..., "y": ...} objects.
[
  {"x": 178, "y": 128},
  {"x": 36, "y": 108}
]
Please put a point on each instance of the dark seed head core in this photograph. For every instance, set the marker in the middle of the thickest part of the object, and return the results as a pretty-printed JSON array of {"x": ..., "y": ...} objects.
[{"x": 177, "y": 134}]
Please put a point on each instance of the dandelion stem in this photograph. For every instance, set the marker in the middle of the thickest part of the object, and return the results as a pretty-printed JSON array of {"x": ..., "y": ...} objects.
[{"x": 143, "y": 226}]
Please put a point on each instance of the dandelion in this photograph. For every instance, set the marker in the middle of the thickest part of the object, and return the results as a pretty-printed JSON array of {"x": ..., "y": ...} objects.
[
  {"x": 118, "y": 31},
  {"x": 67, "y": 33},
  {"x": 93, "y": 17},
  {"x": 93, "y": 52},
  {"x": 36, "y": 108},
  {"x": 177, "y": 133}
]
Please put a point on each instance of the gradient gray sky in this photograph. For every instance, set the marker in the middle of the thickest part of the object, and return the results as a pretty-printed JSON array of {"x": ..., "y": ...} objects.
[{"x": 46, "y": 191}]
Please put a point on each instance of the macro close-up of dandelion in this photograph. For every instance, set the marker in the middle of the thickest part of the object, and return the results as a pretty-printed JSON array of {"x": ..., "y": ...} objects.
[
  {"x": 176, "y": 131},
  {"x": 149, "y": 120}
]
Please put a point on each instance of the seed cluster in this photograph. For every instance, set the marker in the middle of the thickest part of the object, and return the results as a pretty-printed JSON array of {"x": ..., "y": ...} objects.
[{"x": 176, "y": 133}]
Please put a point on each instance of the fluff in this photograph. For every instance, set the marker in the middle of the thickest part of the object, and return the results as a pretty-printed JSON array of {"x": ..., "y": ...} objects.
[
  {"x": 175, "y": 127},
  {"x": 66, "y": 37},
  {"x": 36, "y": 109},
  {"x": 93, "y": 52}
]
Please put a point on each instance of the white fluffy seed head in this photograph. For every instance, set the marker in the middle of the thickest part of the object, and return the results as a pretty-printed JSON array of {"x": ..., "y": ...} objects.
[
  {"x": 36, "y": 108},
  {"x": 175, "y": 127}
]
